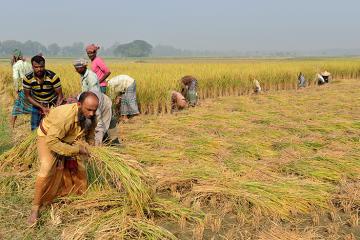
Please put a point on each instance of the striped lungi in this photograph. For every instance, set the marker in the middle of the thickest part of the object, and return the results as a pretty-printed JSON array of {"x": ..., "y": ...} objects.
[{"x": 129, "y": 104}]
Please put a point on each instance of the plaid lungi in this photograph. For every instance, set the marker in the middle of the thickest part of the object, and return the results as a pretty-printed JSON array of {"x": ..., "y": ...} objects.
[
  {"x": 129, "y": 104},
  {"x": 191, "y": 94},
  {"x": 21, "y": 105}
]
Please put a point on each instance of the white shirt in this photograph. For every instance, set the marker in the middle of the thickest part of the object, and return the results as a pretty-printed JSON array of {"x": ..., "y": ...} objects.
[
  {"x": 120, "y": 83},
  {"x": 20, "y": 68},
  {"x": 89, "y": 81}
]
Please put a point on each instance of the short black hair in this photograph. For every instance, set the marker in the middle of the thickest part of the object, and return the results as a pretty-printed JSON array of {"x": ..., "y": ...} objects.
[
  {"x": 84, "y": 95},
  {"x": 38, "y": 59}
]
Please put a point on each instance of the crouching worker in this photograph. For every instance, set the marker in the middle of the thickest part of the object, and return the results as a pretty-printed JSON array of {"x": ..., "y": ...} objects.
[
  {"x": 62, "y": 139},
  {"x": 178, "y": 101},
  {"x": 323, "y": 77},
  {"x": 257, "y": 87},
  {"x": 301, "y": 80},
  {"x": 189, "y": 90},
  {"x": 123, "y": 87}
]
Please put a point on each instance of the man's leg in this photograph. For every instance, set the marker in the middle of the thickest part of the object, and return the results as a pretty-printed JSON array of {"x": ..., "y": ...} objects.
[
  {"x": 35, "y": 118},
  {"x": 13, "y": 120},
  {"x": 47, "y": 169},
  {"x": 80, "y": 177}
]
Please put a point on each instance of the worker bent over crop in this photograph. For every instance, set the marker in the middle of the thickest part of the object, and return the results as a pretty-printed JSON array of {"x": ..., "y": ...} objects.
[
  {"x": 189, "y": 90},
  {"x": 62, "y": 138},
  {"x": 123, "y": 87},
  {"x": 323, "y": 77},
  {"x": 178, "y": 101}
]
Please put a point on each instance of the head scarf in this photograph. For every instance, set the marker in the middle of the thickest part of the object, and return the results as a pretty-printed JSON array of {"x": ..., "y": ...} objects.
[
  {"x": 17, "y": 53},
  {"x": 80, "y": 62},
  {"x": 92, "y": 48}
]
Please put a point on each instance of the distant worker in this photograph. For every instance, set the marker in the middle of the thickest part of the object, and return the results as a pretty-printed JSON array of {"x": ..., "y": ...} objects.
[
  {"x": 178, "y": 101},
  {"x": 124, "y": 89},
  {"x": 257, "y": 87},
  {"x": 42, "y": 89},
  {"x": 323, "y": 77},
  {"x": 19, "y": 68},
  {"x": 98, "y": 66},
  {"x": 189, "y": 89},
  {"x": 89, "y": 80},
  {"x": 62, "y": 149},
  {"x": 301, "y": 80}
]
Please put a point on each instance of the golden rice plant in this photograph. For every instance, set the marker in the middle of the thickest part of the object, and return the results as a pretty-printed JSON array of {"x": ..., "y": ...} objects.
[{"x": 156, "y": 79}]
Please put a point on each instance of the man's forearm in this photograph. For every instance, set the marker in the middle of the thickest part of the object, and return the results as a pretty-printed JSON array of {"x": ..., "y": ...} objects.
[
  {"x": 34, "y": 102},
  {"x": 59, "y": 100},
  {"x": 104, "y": 77}
]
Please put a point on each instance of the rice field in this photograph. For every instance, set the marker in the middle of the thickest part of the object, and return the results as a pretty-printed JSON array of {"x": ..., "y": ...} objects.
[
  {"x": 280, "y": 165},
  {"x": 217, "y": 77}
]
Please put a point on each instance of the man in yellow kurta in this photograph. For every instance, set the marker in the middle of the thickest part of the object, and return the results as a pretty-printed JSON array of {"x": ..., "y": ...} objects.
[{"x": 62, "y": 139}]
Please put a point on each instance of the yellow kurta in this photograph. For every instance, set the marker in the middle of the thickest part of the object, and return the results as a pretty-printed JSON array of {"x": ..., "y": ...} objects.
[{"x": 63, "y": 138}]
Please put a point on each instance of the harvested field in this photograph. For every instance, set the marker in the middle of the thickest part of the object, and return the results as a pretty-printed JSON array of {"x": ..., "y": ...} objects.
[{"x": 280, "y": 165}]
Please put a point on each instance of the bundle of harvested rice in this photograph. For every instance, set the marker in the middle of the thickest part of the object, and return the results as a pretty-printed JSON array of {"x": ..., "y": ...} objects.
[
  {"x": 22, "y": 155},
  {"x": 122, "y": 174}
]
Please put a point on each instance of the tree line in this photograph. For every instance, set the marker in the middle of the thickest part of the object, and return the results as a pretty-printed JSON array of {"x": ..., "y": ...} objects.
[{"x": 137, "y": 48}]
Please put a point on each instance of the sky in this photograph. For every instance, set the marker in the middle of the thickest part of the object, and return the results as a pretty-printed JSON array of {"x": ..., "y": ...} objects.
[{"x": 213, "y": 25}]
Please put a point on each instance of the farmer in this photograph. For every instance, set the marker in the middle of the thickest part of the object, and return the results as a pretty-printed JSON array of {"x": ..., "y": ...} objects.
[
  {"x": 124, "y": 89},
  {"x": 42, "y": 89},
  {"x": 104, "y": 131},
  {"x": 323, "y": 77},
  {"x": 326, "y": 76},
  {"x": 301, "y": 80},
  {"x": 189, "y": 90},
  {"x": 89, "y": 80},
  {"x": 178, "y": 101},
  {"x": 257, "y": 87},
  {"x": 19, "y": 67},
  {"x": 98, "y": 66},
  {"x": 63, "y": 136}
]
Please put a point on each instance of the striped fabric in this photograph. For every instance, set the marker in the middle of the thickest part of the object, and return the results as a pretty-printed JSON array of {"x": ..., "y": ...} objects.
[{"x": 43, "y": 93}]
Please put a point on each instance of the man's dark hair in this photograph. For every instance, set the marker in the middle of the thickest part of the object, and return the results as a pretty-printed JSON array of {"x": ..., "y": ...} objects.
[
  {"x": 84, "y": 95},
  {"x": 38, "y": 59}
]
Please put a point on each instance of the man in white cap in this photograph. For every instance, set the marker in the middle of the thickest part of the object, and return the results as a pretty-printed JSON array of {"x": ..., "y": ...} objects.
[{"x": 89, "y": 80}]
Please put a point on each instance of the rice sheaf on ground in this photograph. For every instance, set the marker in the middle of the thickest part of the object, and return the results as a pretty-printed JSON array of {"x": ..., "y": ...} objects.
[{"x": 280, "y": 165}]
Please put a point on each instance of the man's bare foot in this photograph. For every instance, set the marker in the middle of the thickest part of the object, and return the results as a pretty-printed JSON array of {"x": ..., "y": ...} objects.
[
  {"x": 124, "y": 119},
  {"x": 34, "y": 215}
]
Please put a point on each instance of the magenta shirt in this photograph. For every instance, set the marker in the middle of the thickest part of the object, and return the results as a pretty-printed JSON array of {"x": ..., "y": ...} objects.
[{"x": 100, "y": 69}]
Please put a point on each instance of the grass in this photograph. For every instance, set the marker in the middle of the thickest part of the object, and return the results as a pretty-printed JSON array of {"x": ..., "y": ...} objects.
[
  {"x": 280, "y": 165},
  {"x": 4, "y": 133}
]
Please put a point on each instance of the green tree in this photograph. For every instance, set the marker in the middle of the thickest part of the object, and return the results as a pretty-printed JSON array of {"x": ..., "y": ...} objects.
[{"x": 137, "y": 48}]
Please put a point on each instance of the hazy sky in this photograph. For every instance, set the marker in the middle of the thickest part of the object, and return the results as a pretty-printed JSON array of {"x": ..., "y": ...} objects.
[{"x": 198, "y": 24}]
